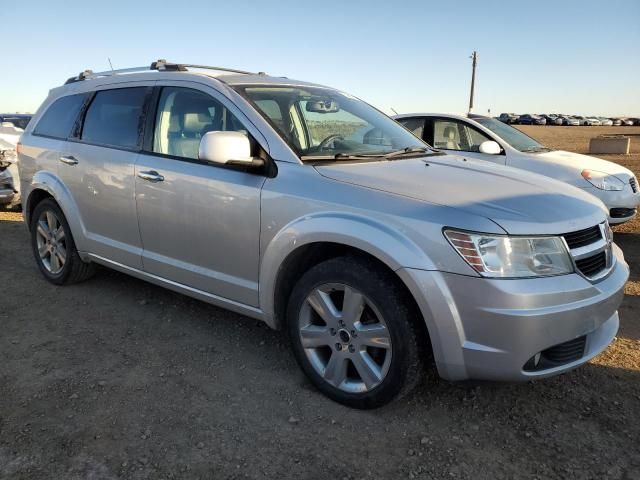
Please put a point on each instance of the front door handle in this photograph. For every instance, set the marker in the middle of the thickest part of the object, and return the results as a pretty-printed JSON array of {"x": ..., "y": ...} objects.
[
  {"x": 151, "y": 176},
  {"x": 69, "y": 160}
]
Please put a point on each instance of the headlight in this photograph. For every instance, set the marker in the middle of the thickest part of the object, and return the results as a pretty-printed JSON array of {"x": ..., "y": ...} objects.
[
  {"x": 602, "y": 180},
  {"x": 501, "y": 256}
]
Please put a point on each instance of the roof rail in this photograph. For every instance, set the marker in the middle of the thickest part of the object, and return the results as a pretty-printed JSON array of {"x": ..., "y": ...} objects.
[{"x": 159, "y": 65}]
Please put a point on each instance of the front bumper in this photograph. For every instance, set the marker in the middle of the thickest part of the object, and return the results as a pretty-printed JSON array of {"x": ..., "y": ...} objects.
[
  {"x": 9, "y": 185},
  {"x": 489, "y": 329},
  {"x": 618, "y": 201}
]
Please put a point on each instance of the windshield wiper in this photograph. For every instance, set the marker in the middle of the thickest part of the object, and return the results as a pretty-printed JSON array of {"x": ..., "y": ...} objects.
[
  {"x": 422, "y": 151},
  {"x": 536, "y": 149},
  {"x": 343, "y": 156},
  {"x": 412, "y": 151}
]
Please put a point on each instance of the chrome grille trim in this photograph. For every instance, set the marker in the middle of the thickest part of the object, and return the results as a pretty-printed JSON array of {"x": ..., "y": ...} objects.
[{"x": 587, "y": 255}]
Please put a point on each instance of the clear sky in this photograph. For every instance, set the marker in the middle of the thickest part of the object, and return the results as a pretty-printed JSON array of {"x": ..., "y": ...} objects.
[{"x": 539, "y": 56}]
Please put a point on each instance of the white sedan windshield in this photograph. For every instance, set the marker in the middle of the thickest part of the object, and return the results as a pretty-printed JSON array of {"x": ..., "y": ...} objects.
[{"x": 512, "y": 136}]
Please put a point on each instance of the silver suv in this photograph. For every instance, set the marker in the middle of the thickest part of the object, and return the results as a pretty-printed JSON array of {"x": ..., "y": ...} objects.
[{"x": 310, "y": 210}]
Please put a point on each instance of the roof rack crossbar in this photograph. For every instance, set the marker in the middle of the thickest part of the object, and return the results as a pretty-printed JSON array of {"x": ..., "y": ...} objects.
[{"x": 159, "y": 65}]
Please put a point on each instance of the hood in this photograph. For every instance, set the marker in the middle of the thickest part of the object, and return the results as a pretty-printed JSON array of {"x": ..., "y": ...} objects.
[
  {"x": 578, "y": 162},
  {"x": 520, "y": 202}
]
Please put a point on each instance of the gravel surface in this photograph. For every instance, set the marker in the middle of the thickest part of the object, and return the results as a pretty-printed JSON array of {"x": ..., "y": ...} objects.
[{"x": 117, "y": 378}]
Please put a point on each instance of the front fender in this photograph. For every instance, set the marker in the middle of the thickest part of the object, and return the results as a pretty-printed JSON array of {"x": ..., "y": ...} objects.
[
  {"x": 384, "y": 243},
  {"x": 50, "y": 183}
]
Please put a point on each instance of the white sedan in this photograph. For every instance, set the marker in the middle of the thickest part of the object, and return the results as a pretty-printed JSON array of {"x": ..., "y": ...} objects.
[{"x": 485, "y": 138}]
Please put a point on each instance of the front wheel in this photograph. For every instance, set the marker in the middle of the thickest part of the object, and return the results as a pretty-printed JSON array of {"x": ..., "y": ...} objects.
[{"x": 355, "y": 332}]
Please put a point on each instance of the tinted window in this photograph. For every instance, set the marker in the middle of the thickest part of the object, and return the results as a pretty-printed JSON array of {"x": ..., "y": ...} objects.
[
  {"x": 113, "y": 117},
  {"x": 184, "y": 116},
  {"x": 59, "y": 118}
]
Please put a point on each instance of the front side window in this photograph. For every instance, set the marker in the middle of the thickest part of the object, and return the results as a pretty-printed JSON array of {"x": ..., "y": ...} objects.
[
  {"x": 60, "y": 117},
  {"x": 512, "y": 136},
  {"x": 456, "y": 135},
  {"x": 184, "y": 116},
  {"x": 324, "y": 123},
  {"x": 113, "y": 118}
]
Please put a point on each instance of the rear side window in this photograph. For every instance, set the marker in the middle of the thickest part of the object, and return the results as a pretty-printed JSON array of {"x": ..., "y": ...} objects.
[
  {"x": 113, "y": 118},
  {"x": 59, "y": 118}
]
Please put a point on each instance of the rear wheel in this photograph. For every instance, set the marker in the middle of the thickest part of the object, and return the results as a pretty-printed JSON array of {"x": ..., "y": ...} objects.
[
  {"x": 53, "y": 246},
  {"x": 355, "y": 333}
]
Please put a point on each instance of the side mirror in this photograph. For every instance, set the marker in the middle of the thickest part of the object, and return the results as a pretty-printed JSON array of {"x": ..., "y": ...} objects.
[
  {"x": 227, "y": 148},
  {"x": 490, "y": 148}
]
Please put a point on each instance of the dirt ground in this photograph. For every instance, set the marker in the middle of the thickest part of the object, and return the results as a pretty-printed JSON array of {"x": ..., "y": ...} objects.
[{"x": 116, "y": 378}]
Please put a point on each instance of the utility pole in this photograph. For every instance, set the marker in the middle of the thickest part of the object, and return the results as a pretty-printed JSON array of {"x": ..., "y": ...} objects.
[{"x": 473, "y": 78}]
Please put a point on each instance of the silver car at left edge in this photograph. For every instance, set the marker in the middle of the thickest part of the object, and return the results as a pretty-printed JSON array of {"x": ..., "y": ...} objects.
[{"x": 306, "y": 208}]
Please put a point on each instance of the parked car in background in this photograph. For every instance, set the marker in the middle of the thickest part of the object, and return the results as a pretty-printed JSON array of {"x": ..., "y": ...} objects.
[
  {"x": 9, "y": 177},
  {"x": 485, "y": 138},
  {"x": 310, "y": 210},
  {"x": 605, "y": 122},
  {"x": 616, "y": 122},
  {"x": 568, "y": 120},
  {"x": 552, "y": 119},
  {"x": 588, "y": 121},
  {"x": 509, "y": 118},
  {"x": 19, "y": 120},
  {"x": 9, "y": 173},
  {"x": 528, "y": 119},
  {"x": 627, "y": 122}
]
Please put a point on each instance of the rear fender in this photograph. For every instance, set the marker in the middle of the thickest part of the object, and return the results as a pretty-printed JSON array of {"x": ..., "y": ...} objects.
[{"x": 50, "y": 183}]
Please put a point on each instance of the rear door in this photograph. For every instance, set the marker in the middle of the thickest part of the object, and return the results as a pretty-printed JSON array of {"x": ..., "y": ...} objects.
[
  {"x": 97, "y": 165},
  {"x": 199, "y": 222}
]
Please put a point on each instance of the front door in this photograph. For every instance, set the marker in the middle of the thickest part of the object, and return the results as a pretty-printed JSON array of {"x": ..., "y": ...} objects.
[{"x": 199, "y": 223}]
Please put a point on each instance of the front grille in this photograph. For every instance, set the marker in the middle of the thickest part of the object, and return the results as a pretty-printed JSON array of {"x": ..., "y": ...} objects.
[
  {"x": 583, "y": 237},
  {"x": 634, "y": 184},
  {"x": 621, "y": 212},
  {"x": 593, "y": 265}
]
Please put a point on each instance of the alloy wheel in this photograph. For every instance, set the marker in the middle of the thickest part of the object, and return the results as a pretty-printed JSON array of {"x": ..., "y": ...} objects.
[
  {"x": 51, "y": 242},
  {"x": 345, "y": 338}
]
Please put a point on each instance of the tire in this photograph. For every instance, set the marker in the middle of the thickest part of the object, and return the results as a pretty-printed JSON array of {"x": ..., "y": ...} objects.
[
  {"x": 385, "y": 329},
  {"x": 50, "y": 233}
]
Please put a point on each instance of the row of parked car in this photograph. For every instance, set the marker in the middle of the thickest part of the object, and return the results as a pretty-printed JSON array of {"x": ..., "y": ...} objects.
[
  {"x": 562, "y": 119},
  {"x": 377, "y": 245}
]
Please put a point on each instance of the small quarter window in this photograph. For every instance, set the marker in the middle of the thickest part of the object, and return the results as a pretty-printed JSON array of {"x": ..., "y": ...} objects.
[
  {"x": 414, "y": 125},
  {"x": 59, "y": 118},
  {"x": 113, "y": 118}
]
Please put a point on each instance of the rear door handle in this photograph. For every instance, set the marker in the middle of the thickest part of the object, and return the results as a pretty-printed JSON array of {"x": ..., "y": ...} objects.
[
  {"x": 69, "y": 160},
  {"x": 151, "y": 176}
]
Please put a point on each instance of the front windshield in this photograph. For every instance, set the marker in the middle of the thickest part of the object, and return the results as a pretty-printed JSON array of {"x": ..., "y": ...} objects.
[
  {"x": 321, "y": 123},
  {"x": 512, "y": 136}
]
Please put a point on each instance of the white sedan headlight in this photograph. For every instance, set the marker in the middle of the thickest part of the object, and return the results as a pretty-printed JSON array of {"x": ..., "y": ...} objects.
[
  {"x": 502, "y": 256},
  {"x": 602, "y": 180}
]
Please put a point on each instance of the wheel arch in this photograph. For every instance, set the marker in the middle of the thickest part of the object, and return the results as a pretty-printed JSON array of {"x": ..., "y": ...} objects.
[
  {"x": 47, "y": 185},
  {"x": 309, "y": 241}
]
